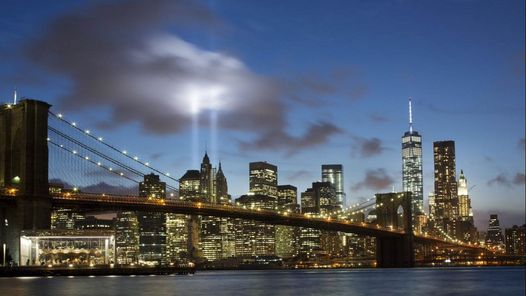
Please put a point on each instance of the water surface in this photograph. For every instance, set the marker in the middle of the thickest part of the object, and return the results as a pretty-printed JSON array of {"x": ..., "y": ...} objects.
[{"x": 416, "y": 281}]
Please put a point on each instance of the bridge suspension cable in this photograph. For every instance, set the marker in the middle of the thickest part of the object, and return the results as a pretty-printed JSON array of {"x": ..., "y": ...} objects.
[
  {"x": 360, "y": 207},
  {"x": 80, "y": 144},
  {"x": 89, "y": 134},
  {"x": 103, "y": 156},
  {"x": 86, "y": 158},
  {"x": 436, "y": 227}
]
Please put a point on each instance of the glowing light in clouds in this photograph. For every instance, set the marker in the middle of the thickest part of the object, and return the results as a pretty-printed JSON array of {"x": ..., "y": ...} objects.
[
  {"x": 196, "y": 79},
  {"x": 211, "y": 97}
]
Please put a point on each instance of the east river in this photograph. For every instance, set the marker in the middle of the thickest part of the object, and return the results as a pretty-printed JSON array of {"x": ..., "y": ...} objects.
[{"x": 417, "y": 281}]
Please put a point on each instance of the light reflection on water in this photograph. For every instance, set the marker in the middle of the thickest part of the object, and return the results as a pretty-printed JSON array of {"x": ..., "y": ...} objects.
[{"x": 417, "y": 281}]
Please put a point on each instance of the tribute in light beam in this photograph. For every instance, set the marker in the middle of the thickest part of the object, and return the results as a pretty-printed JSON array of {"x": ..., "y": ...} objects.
[
  {"x": 213, "y": 134},
  {"x": 195, "y": 139}
]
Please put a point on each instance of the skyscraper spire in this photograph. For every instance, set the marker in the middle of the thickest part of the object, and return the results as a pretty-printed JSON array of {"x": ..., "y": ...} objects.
[
  {"x": 206, "y": 159},
  {"x": 410, "y": 116}
]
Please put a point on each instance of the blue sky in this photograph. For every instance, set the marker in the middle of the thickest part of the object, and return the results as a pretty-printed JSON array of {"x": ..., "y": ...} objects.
[{"x": 298, "y": 83}]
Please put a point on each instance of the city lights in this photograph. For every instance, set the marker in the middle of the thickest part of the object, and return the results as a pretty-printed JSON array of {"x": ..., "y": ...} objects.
[{"x": 246, "y": 138}]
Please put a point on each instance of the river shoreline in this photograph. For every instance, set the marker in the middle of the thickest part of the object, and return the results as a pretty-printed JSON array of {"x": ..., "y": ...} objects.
[{"x": 37, "y": 271}]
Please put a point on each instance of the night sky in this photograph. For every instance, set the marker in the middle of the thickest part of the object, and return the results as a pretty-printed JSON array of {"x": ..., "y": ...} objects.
[{"x": 294, "y": 83}]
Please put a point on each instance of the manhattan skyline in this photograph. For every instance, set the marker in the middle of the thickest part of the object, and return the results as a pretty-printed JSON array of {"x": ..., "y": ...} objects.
[{"x": 284, "y": 90}]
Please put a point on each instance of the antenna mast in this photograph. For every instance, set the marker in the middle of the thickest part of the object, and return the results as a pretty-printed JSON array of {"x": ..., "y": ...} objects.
[{"x": 410, "y": 116}]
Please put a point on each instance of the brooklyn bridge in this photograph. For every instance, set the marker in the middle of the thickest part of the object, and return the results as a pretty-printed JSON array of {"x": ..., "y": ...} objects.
[{"x": 31, "y": 134}]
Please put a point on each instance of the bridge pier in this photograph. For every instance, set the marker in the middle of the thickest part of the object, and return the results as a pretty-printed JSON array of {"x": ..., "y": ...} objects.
[
  {"x": 23, "y": 171},
  {"x": 395, "y": 252},
  {"x": 395, "y": 210}
]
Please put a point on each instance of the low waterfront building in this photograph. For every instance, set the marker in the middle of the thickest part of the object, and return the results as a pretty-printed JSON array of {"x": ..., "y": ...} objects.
[{"x": 69, "y": 248}]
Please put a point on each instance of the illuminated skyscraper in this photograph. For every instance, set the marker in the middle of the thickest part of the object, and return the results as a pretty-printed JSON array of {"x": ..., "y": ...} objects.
[
  {"x": 189, "y": 186},
  {"x": 189, "y": 190},
  {"x": 287, "y": 236},
  {"x": 446, "y": 199},
  {"x": 465, "y": 224},
  {"x": 333, "y": 173},
  {"x": 287, "y": 194},
  {"x": 255, "y": 238},
  {"x": 206, "y": 184},
  {"x": 320, "y": 199},
  {"x": 65, "y": 218},
  {"x": 494, "y": 238},
  {"x": 227, "y": 232},
  {"x": 465, "y": 211},
  {"x": 221, "y": 187},
  {"x": 127, "y": 237},
  {"x": 176, "y": 238},
  {"x": 217, "y": 234},
  {"x": 516, "y": 240},
  {"x": 152, "y": 226},
  {"x": 432, "y": 206},
  {"x": 209, "y": 242},
  {"x": 263, "y": 178},
  {"x": 412, "y": 176}
]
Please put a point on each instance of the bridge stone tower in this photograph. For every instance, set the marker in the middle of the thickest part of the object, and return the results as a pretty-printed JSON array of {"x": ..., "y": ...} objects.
[
  {"x": 23, "y": 170},
  {"x": 395, "y": 210}
]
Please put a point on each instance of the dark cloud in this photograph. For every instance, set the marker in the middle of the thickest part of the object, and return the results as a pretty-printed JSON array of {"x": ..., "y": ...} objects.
[
  {"x": 503, "y": 180},
  {"x": 156, "y": 155},
  {"x": 364, "y": 147},
  {"x": 500, "y": 179},
  {"x": 378, "y": 118},
  {"x": 319, "y": 85},
  {"x": 299, "y": 175},
  {"x": 317, "y": 89},
  {"x": 58, "y": 181},
  {"x": 358, "y": 91},
  {"x": 307, "y": 100},
  {"x": 519, "y": 179},
  {"x": 317, "y": 134},
  {"x": 103, "y": 187},
  {"x": 113, "y": 56},
  {"x": 124, "y": 56},
  {"x": 375, "y": 179}
]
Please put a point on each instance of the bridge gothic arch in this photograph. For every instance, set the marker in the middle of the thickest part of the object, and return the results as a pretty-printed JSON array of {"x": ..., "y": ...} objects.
[{"x": 389, "y": 206}]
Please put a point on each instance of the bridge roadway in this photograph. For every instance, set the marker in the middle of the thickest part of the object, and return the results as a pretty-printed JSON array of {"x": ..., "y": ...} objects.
[
  {"x": 112, "y": 202},
  {"x": 133, "y": 203},
  {"x": 103, "y": 202}
]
